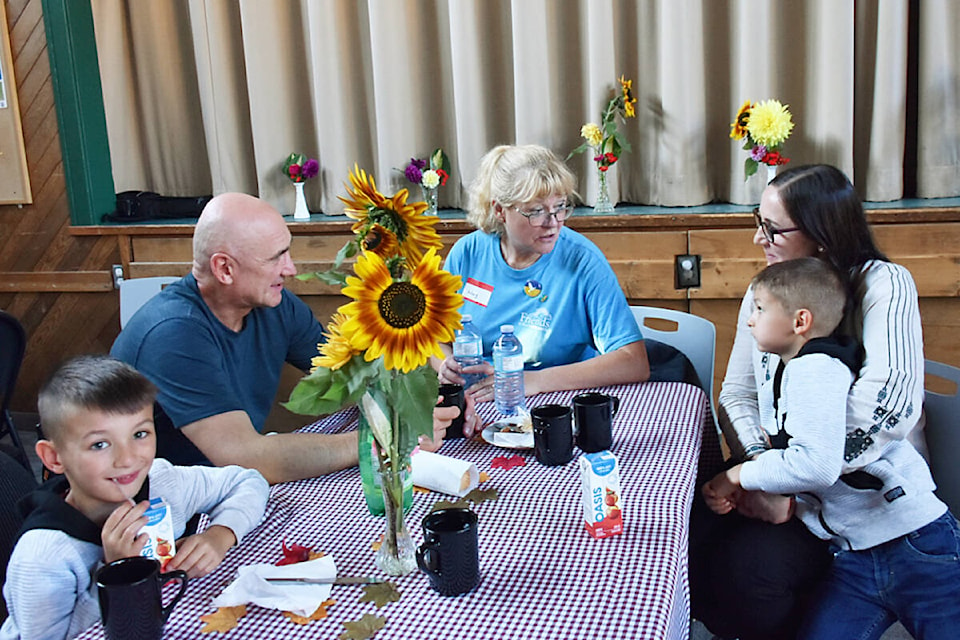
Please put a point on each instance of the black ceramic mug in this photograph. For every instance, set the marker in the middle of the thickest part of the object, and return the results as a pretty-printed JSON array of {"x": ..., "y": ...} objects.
[
  {"x": 130, "y": 599},
  {"x": 450, "y": 554},
  {"x": 552, "y": 434},
  {"x": 451, "y": 395},
  {"x": 593, "y": 413}
]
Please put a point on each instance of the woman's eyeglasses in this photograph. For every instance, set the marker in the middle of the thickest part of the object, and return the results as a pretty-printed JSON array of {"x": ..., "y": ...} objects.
[
  {"x": 539, "y": 217},
  {"x": 770, "y": 232}
]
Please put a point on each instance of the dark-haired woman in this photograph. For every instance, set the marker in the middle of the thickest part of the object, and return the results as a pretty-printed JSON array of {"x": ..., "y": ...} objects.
[{"x": 754, "y": 578}]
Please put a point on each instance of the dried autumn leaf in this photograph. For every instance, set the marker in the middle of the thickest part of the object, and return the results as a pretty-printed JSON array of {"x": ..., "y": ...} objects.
[
  {"x": 481, "y": 495},
  {"x": 223, "y": 619},
  {"x": 380, "y": 594},
  {"x": 484, "y": 476},
  {"x": 362, "y": 629},
  {"x": 293, "y": 554},
  {"x": 446, "y": 504},
  {"x": 502, "y": 462},
  {"x": 319, "y": 614},
  {"x": 417, "y": 489},
  {"x": 375, "y": 545}
]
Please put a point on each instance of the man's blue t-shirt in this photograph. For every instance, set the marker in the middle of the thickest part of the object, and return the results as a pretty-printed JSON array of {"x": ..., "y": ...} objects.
[
  {"x": 566, "y": 307},
  {"x": 202, "y": 368}
]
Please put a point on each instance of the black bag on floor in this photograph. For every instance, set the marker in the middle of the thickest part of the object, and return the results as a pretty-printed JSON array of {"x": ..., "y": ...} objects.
[{"x": 137, "y": 206}]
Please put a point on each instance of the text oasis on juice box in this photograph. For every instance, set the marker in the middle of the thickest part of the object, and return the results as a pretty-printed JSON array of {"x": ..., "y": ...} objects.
[{"x": 600, "y": 481}]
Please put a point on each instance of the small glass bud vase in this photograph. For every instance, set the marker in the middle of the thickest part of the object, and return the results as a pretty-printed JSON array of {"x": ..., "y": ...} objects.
[
  {"x": 603, "y": 204},
  {"x": 397, "y": 555},
  {"x": 430, "y": 197}
]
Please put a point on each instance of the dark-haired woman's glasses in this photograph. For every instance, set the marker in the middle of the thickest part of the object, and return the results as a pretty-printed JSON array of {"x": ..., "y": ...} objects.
[
  {"x": 538, "y": 217},
  {"x": 770, "y": 232}
]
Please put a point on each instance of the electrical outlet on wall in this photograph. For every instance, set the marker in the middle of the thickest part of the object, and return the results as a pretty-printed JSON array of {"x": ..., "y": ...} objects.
[{"x": 687, "y": 271}]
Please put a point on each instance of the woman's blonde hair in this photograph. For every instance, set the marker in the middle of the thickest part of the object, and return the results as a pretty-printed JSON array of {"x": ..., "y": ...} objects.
[{"x": 511, "y": 175}]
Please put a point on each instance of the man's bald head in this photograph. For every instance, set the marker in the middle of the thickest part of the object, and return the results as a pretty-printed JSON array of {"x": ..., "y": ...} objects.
[{"x": 230, "y": 223}]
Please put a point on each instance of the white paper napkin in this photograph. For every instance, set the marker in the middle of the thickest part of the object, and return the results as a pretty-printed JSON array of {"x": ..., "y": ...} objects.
[
  {"x": 444, "y": 474},
  {"x": 301, "y": 599}
]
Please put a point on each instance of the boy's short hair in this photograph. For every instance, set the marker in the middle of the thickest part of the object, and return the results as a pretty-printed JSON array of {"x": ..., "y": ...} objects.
[
  {"x": 807, "y": 283},
  {"x": 92, "y": 382}
]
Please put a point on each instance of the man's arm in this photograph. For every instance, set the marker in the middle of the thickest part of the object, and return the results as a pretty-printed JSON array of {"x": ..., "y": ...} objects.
[{"x": 229, "y": 438}]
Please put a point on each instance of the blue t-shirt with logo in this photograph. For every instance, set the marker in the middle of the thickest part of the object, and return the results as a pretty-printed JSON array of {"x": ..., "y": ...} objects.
[{"x": 566, "y": 307}]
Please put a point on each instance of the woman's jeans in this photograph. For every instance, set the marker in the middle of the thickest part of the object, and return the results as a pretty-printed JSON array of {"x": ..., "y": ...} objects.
[{"x": 914, "y": 579}]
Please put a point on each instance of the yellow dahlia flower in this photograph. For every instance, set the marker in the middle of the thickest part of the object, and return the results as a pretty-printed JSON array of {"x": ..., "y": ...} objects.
[
  {"x": 404, "y": 322},
  {"x": 738, "y": 128},
  {"x": 592, "y": 134},
  {"x": 770, "y": 123}
]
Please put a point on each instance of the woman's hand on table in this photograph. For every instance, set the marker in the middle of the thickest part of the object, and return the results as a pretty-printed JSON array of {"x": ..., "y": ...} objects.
[
  {"x": 451, "y": 372},
  {"x": 443, "y": 417}
]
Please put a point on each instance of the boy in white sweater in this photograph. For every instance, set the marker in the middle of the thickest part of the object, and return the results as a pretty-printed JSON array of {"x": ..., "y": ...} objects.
[
  {"x": 882, "y": 519},
  {"x": 97, "y": 415}
]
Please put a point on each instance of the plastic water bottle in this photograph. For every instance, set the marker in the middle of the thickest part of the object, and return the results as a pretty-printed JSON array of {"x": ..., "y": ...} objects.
[
  {"x": 468, "y": 350},
  {"x": 508, "y": 372}
]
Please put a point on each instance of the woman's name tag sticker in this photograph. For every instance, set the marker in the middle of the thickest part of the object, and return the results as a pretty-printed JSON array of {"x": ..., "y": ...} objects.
[{"x": 478, "y": 292}]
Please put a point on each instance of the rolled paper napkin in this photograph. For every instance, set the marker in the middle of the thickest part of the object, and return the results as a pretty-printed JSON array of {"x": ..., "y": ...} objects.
[
  {"x": 444, "y": 474},
  {"x": 251, "y": 586}
]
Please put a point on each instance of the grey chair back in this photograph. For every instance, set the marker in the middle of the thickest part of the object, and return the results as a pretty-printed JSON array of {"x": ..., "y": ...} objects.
[{"x": 942, "y": 432}]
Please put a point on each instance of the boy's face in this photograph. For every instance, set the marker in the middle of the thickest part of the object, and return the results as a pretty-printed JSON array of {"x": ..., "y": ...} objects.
[
  {"x": 104, "y": 456},
  {"x": 772, "y": 327}
]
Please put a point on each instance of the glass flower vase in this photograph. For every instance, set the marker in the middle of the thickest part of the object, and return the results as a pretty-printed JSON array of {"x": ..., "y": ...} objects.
[
  {"x": 603, "y": 204},
  {"x": 300, "y": 212},
  {"x": 430, "y": 197},
  {"x": 397, "y": 554}
]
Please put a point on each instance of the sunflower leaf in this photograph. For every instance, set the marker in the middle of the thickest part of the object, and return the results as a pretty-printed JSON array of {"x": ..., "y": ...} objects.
[
  {"x": 348, "y": 250},
  {"x": 749, "y": 167},
  {"x": 332, "y": 277},
  {"x": 415, "y": 396}
]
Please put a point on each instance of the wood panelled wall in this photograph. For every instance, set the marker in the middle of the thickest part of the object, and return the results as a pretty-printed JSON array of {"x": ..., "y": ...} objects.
[{"x": 58, "y": 285}]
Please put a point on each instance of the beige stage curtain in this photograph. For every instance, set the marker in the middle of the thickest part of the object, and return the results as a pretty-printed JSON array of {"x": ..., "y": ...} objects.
[{"x": 211, "y": 95}]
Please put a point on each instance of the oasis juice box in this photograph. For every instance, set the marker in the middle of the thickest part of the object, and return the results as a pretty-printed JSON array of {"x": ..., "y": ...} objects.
[
  {"x": 600, "y": 484},
  {"x": 160, "y": 543}
]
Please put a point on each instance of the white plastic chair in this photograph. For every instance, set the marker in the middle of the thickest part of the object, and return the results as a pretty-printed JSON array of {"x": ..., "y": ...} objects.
[
  {"x": 136, "y": 291},
  {"x": 942, "y": 433},
  {"x": 694, "y": 337}
]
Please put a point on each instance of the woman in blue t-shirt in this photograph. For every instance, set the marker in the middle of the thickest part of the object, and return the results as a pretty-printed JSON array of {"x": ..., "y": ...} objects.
[{"x": 523, "y": 267}]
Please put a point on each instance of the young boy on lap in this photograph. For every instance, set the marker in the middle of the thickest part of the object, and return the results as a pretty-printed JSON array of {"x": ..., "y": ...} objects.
[
  {"x": 97, "y": 416},
  {"x": 896, "y": 547}
]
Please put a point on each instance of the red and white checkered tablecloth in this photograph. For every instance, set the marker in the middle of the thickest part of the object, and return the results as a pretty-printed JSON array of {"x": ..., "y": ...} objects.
[{"x": 542, "y": 575}]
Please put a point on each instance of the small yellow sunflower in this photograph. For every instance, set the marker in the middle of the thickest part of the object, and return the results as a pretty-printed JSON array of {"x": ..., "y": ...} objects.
[
  {"x": 738, "y": 128},
  {"x": 414, "y": 232},
  {"x": 402, "y": 321},
  {"x": 770, "y": 123},
  {"x": 381, "y": 241},
  {"x": 336, "y": 351},
  {"x": 626, "y": 89}
]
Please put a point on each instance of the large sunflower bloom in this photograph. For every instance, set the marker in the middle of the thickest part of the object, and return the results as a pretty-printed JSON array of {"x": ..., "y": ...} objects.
[
  {"x": 770, "y": 123},
  {"x": 626, "y": 90},
  {"x": 738, "y": 128},
  {"x": 414, "y": 231},
  {"x": 402, "y": 321},
  {"x": 336, "y": 351}
]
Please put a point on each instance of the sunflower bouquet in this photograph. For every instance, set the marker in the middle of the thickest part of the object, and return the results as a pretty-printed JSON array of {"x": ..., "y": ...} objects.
[
  {"x": 378, "y": 345},
  {"x": 764, "y": 127},
  {"x": 605, "y": 140}
]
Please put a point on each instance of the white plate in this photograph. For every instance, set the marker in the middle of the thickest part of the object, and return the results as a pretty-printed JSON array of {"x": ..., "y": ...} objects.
[{"x": 490, "y": 432}]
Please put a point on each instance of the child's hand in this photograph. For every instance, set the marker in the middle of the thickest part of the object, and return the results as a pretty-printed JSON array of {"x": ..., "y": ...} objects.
[
  {"x": 723, "y": 491},
  {"x": 121, "y": 535},
  {"x": 200, "y": 554}
]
